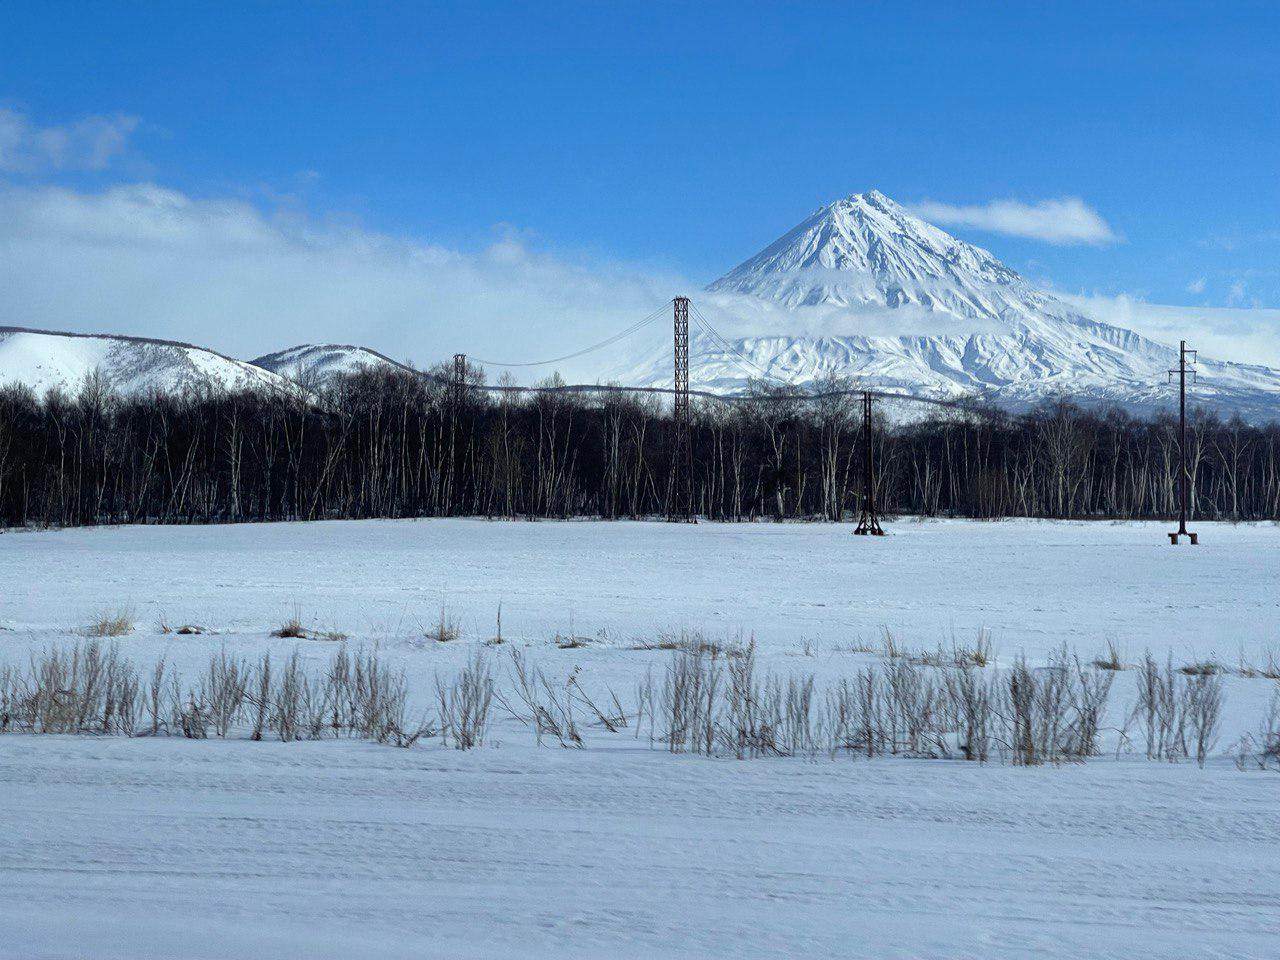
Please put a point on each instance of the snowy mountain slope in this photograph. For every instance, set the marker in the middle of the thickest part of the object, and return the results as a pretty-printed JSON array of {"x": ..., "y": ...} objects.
[
  {"x": 864, "y": 288},
  {"x": 309, "y": 362},
  {"x": 45, "y": 360},
  {"x": 865, "y": 249}
]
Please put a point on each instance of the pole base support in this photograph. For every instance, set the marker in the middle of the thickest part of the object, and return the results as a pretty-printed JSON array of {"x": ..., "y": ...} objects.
[{"x": 1193, "y": 537}]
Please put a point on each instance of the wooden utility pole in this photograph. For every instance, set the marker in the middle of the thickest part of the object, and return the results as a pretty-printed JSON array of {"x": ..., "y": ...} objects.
[
  {"x": 1184, "y": 469},
  {"x": 869, "y": 520},
  {"x": 457, "y": 391}
]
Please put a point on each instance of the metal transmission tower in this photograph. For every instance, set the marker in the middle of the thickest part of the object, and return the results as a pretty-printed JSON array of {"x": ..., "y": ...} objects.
[
  {"x": 457, "y": 393},
  {"x": 459, "y": 383},
  {"x": 681, "y": 448},
  {"x": 869, "y": 520},
  {"x": 1184, "y": 471}
]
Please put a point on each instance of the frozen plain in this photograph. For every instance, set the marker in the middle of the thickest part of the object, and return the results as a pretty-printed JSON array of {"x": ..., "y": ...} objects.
[{"x": 167, "y": 848}]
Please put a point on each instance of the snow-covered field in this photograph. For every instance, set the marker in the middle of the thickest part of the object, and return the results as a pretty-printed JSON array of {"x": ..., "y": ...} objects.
[
  {"x": 170, "y": 848},
  {"x": 1033, "y": 584}
]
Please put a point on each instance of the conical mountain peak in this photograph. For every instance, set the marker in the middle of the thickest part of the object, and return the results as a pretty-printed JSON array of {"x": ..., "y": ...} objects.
[{"x": 866, "y": 249}]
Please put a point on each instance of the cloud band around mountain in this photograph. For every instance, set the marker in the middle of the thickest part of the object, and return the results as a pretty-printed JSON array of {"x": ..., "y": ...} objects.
[
  {"x": 244, "y": 279},
  {"x": 1063, "y": 221}
]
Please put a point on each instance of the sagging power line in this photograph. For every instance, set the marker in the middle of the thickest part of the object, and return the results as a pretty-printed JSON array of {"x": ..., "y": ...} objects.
[
  {"x": 681, "y": 480},
  {"x": 608, "y": 341}
]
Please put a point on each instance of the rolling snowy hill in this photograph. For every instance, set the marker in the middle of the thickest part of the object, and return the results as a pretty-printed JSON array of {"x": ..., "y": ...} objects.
[
  {"x": 310, "y": 363},
  {"x": 45, "y": 360},
  {"x": 864, "y": 288}
]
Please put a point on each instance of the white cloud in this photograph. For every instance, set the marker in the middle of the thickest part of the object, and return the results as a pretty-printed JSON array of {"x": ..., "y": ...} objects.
[
  {"x": 223, "y": 273},
  {"x": 1064, "y": 221},
  {"x": 1245, "y": 335},
  {"x": 246, "y": 280},
  {"x": 1197, "y": 285},
  {"x": 89, "y": 143}
]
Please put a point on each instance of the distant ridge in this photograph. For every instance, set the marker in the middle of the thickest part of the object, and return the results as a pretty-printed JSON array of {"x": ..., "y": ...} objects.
[
  {"x": 310, "y": 362},
  {"x": 45, "y": 359}
]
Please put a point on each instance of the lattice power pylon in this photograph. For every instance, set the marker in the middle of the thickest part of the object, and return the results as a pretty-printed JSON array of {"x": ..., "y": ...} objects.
[
  {"x": 459, "y": 383},
  {"x": 681, "y": 446},
  {"x": 869, "y": 519},
  {"x": 1184, "y": 470}
]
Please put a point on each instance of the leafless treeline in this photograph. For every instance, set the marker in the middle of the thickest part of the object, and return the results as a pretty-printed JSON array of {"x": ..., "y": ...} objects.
[{"x": 383, "y": 444}]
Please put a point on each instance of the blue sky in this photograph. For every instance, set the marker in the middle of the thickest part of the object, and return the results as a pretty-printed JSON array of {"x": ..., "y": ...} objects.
[{"x": 681, "y": 138}]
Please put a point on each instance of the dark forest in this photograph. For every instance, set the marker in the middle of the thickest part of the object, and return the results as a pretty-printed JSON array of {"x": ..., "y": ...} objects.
[{"x": 400, "y": 444}]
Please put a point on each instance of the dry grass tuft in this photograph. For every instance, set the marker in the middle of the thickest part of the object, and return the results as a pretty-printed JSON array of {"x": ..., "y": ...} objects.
[
  {"x": 662, "y": 643},
  {"x": 111, "y": 623},
  {"x": 981, "y": 654},
  {"x": 1205, "y": 668},
  {"x": 1112, "y": 661},
  {"x": 1269, "y": 669},
  {"x": 291, "y": 629},
  {"x": 446, "y": 629},
  {"x": 496, "y": 640},
  {"x": 695, "y": 643},
  {"x": 858, "y": 646}
]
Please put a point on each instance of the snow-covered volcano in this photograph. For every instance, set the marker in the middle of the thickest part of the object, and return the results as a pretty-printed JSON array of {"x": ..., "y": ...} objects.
[
  {"x": 864, "y": 288},
  {"x": 867, "y": 250}
]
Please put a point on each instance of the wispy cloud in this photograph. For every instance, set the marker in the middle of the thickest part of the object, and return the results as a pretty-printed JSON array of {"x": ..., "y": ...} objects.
[
  {"x": 1197, "y": 285},
  {"x": 247, "y": 279},
  {"x": 1063, "y": 221},
  {"x": 89, "y": 143},
  {"x": 1243, "y": 334}
]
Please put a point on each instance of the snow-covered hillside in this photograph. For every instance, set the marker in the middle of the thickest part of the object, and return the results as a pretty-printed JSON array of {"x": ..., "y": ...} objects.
[
  {"x": 45, "y": 360},
  {"x": 864, "y": 288},
  {"x": 311, "y": 363}
]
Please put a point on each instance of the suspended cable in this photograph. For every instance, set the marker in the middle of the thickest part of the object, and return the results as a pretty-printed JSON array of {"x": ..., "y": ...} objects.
[
  {"x": 726, "y": 344},
  {"x": 578, "y": 353},
  {"x": 726, "y": 398},
  {"x": 719, "y": 339}
]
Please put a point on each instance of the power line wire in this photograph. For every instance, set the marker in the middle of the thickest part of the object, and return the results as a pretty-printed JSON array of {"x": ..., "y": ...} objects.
[
  {"x": 622, "y": 334},
  {"x": 727, "y": 398},
  {"x": 796, "y": 393},
  {"x": 726, "y": 344}
]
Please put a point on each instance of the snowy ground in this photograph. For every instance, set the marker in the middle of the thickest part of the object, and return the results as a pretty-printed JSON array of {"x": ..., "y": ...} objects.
[
  {"x": 169, "y": 848},
  {"x": 1033, "y": 584}
]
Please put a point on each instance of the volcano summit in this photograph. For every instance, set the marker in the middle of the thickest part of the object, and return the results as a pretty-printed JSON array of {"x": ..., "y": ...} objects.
[{"x": 864, "y": 288}]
